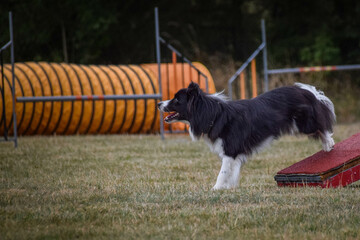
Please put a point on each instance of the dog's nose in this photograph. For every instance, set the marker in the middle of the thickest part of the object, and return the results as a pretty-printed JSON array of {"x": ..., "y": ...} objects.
[{"x": 159, "y": 104}]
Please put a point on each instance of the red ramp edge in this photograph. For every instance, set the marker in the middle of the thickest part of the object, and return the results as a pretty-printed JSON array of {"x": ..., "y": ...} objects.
[{"x": 339, "y": 167}]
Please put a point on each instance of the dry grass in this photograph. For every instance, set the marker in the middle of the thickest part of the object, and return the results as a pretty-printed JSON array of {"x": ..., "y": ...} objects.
[{"x": 133, "y": 187}]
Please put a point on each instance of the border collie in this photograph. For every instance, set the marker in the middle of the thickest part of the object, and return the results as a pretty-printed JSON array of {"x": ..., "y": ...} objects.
[{"x": 237, "y": 129}]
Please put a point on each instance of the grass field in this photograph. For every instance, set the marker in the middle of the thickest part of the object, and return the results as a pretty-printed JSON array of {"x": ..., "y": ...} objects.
[{"x": 139, "y": 187}]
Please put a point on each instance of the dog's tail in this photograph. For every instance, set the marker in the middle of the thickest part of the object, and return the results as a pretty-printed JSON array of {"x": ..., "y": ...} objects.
[{"x": 327, "y": 104}]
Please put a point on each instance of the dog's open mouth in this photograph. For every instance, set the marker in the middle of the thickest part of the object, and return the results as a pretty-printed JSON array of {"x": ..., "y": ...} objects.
[{"x": 171, "y": 117}]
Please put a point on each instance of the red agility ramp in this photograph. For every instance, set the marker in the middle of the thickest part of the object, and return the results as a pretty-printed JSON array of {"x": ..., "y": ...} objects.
[{"x": 339, "y": 167}]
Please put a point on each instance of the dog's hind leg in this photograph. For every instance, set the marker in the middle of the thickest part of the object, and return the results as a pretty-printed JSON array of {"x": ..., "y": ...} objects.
[{"x": 327, "y": 141}]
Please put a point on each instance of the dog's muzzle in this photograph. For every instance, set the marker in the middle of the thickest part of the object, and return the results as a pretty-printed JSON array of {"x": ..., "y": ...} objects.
[{"x": 162, "y": 105}]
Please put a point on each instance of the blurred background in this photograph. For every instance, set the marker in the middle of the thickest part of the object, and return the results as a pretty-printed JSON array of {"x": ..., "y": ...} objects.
[{"x": 219, "y": 33}]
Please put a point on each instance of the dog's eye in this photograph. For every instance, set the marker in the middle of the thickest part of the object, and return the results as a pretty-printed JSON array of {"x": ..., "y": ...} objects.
[{"x": 176, "y": 100}]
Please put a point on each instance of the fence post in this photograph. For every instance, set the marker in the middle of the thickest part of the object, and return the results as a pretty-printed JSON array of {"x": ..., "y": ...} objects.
[
  {"x": 157, "y": 40},
  {"x": 207, "y": 84},
  {"x": 174, "y": 62},
  {"x": 13, "y": 76},
  {"x": 263, "y": 36},
  {"x": 253, "y": 78},
  {"x": 3, "y": 114},
  {"x": 242, "y": 85}
]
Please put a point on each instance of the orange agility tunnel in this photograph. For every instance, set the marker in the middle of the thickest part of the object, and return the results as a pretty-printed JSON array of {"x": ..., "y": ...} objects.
[{"x": 91, "y": 117}]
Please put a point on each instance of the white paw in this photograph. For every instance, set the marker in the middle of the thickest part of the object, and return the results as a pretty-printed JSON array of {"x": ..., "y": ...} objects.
[
  {"x": 222, "y": 187},
  {"x": 328, "y": 145},
  {"x": 218, "y": 187}
]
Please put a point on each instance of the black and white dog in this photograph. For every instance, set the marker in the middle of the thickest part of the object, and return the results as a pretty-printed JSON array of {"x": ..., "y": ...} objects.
[{"x": 236, "y": 129}]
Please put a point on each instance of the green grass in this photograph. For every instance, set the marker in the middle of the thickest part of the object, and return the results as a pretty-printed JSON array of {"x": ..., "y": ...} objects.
[{"x": 136, "y": 187}]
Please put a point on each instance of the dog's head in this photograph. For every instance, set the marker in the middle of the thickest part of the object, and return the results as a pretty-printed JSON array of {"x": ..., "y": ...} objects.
[{"x": 180, "y": 106}]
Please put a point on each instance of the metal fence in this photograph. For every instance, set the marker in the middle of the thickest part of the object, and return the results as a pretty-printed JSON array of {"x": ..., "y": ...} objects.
[
  {"x": 262, "y": 47},
  {"x": 63, "y": 98},
  {"x": 10, "y": 45},
  {"x": 267, "y": 72},
  {"x": 314, "y": 69},
  {"x": 171, "y": 56}
]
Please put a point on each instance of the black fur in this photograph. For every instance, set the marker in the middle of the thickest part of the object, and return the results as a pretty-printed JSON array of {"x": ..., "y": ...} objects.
[{"x": 244, "y": 125}]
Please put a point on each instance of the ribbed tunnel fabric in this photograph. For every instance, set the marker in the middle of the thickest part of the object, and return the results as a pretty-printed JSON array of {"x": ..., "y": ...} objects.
[{"x": 91, "y": 117}]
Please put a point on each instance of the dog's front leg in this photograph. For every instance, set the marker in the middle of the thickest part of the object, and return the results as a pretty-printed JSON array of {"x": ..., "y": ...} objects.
[
  {"x": 229, "y": 174},
  {"x": 236, "y": 166}
]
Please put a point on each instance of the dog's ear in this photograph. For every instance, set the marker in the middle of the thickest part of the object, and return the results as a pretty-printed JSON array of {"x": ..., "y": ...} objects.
[{"x": 193, "y": 90}]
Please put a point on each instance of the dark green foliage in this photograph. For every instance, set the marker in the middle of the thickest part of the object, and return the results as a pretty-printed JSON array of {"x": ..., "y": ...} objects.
[{"x": 299, "y": 32}]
